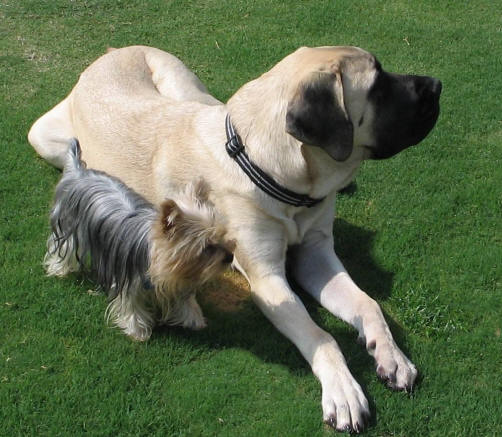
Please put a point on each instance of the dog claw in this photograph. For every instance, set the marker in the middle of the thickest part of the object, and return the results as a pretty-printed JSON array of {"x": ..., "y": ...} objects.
[
  {"x": 350, "y": 429},
  {"x": 388, "y": 377},
  {"x": 356, "y": 428},
  {"x": 331, "y": 422},
  {"x": 346, "y": 428}
]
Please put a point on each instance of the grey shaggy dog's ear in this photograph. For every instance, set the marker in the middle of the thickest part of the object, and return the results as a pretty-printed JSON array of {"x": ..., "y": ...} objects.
[
  {"x": 170, "y": 214},
  {"x": 316, "y": 116}
]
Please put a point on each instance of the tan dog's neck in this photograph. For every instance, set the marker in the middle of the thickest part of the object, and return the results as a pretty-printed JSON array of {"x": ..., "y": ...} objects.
[
  {"x": 273, "y": 150},
  {"x": 258, "y": 111}
]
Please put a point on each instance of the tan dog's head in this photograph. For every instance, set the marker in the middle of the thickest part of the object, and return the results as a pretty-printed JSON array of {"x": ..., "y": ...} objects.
[
  {"x": 340, "y": 98},
  {"x": 344, "y": 99}
]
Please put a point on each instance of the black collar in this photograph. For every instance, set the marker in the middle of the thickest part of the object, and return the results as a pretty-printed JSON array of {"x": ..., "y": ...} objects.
[{"x": 235, "y": 149}]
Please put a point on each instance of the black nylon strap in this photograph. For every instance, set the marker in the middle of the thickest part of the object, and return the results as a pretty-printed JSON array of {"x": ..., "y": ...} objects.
[{"x": 235, "y": 149}]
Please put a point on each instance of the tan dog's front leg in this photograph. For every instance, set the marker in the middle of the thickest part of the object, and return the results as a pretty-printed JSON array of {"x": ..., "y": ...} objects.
[
  {"x": 318, "y": 270},
  {"x": 343, "y": 402}
]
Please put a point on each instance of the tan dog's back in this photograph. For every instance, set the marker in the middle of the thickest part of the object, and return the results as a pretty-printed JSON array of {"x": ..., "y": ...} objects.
[
  {"x": 115, "y": 107},
  {"x": 118, "y": 86}
]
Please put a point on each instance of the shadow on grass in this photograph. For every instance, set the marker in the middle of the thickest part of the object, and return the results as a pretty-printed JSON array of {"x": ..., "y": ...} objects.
[
  {"x": 234, "y": 321},
  {"x": 353, "y": 246}
]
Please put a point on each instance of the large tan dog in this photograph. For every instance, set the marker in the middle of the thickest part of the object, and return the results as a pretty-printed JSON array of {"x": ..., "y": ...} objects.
[{"x": 309, "y": 122}]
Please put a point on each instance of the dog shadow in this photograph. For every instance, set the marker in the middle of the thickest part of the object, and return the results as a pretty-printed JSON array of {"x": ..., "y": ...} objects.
[
  {"x": 353, "y": 246},
  {"x": 233, "y": 321}
]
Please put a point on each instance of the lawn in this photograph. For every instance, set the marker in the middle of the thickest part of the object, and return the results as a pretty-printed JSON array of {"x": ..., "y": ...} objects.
[{"x": 421, "y": 233}]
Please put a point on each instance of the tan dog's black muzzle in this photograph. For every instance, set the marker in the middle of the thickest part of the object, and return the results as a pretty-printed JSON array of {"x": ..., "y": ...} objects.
[{"x": 406, "y": 109}]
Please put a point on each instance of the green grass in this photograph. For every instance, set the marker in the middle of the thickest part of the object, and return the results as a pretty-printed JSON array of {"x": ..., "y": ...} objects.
[{"x": 422, "y": 233}]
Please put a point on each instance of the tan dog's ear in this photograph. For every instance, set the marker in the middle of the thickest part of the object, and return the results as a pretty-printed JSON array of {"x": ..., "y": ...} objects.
[{"x": 316, "y": 116}]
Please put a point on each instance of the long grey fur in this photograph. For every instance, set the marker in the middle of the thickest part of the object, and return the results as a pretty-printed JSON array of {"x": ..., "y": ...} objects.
[{"x": 105, "y": 221}]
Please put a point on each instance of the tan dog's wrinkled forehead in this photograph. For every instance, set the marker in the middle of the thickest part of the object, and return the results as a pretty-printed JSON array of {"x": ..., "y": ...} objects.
[
  {"x": 327, "y": 59},
  {"x": 326, "y": 92}
]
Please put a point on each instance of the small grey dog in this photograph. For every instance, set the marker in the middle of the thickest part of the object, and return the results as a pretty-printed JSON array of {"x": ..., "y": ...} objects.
[{"x": 148, "y": 261}]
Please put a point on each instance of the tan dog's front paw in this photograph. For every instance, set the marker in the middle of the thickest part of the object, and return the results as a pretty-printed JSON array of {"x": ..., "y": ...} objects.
[
  {"x": 393, "y": 367},
  {"x": 344, "y": 405}
]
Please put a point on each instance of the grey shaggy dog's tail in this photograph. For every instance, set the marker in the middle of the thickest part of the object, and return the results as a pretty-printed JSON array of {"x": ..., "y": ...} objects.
[{"x": 104, "y": 222}]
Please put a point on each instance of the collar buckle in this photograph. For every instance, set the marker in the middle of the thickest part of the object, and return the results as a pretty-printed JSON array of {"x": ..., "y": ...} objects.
[{"x": 234, "y": 146}]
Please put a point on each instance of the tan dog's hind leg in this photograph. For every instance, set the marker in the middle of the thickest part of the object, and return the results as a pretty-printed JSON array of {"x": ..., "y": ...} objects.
[
  {"x": 51, "y": 133},
  {"x": 319, "y": 272},
  {"x": 174, "y": 80}
]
